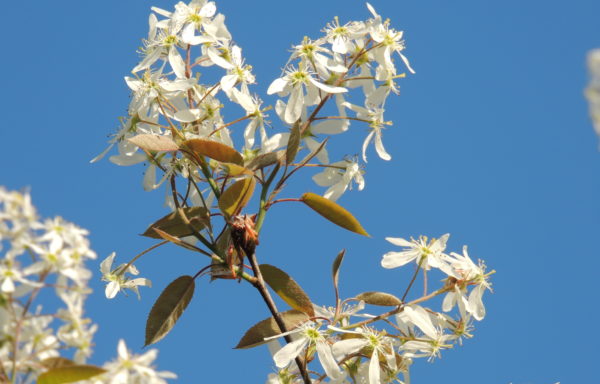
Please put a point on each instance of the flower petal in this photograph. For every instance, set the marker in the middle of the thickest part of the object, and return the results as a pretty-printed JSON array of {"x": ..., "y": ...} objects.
[{"x": 285, "y": 355}]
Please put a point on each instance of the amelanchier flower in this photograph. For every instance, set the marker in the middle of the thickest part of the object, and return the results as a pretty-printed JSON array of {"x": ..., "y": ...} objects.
[
  {"x": 377, "y": 344},
  {"x": 307, "y": 335},
  {"x": 117, "y": 280},
  {"x": 293, "y": 83},
  {"x": 427, "y": 253},
  {"x": 130, "y": 368},
  {"x": 467, "y": 271},
  {"x": 374, "y": 116},
  {"x": 339, "y": 177},
  {"x": 434, "y": 338}
]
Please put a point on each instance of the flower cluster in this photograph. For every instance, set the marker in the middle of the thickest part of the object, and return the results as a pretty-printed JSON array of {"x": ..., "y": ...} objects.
[
  {"x": 360, "y": 352},
  {"x": 38, "y": 255},
  {"x": 169, "y": 101},
  {"x": 175, "y": 124}
]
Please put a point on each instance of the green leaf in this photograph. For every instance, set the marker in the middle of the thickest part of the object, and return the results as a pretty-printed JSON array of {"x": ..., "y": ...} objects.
[
  {"x": 335, "y": 271},
  {"x": 215, "y": 150},
  {"x": 154, "y": 143},
  {"x": 267, "y": 328},
  {"x": 333, "y": 212},
  {"x": 335, "y": 268},
  {"x": 173, "y": 225},
  {"x": 174, "y": 240},
  {"x": 293, "y": 143},
  {"x": 380, "y": 298},
  {"x": 236, "y": 170},
  {"x": 287, "y": 289},
  {"x": 168, "y": 308},
  {"x": 265, "y": 160},
  {"x": 236, "y": 196},
  {"x": 69, "y": 374},
  {"x": 56, "y": 362}
]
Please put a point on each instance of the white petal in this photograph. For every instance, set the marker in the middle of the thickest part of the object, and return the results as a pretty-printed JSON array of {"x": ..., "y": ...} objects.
[
  {"x": 243, "y": 99},
  {"x": 347, "y": 347},
  {"x": 335, "y": 191},
  {"x": 103, "y": 153},
  {"x": 133, "y": 84},
  {"x": 329, "y": 364},
  {"x": 476, "y": 306},
  {"x": 217, "y": 28},
  {"x": 141, "y": 282},
  {"x": 374, "y": 374},
  {"x": 372, "y": 10},
  {"x": 161, "y": 11},
  {"x": 449, "y": 301},
  {"x": 295, "y": 105},
  {"x": 217, "y": 59},
  {"x": 289, "y": 352},
  {"x": 208, "y": 10},
  {"x": 399, "y": 241},
  {"x": 397, "y": 259},
  {"x": 331, "y": 127},
  {"x": 327, "y": 178},
  {"x": 148, "y": 60},
  {"x": 188, "y": 115},
  {"x": 177, "y": 62},
  {"x": 177, "y": 85},
  {"x": 365, "y": 144},
  {"x": 122, "y": 350},
  {"x": 112, "y": 289},
  {"x": 278, "y": 140},
  {"x": 405, "y": 60},
  {"x": 249, "y": 134},
  {"x": 339, "y": 45},
  {"x": 419, "y": 316},
  {"x": 136, "y": 158},
  {"x": 228, "y": 82},
  {"x": 149, "y": 182},
  {"x": 327, "y": 88},
  {"x": 379, "y": 146},
  {"x": 277, "y": 86},
  {"x": 106, "y": 264},
  {"x": 188, "y": 36},
  {"x": 7, "y": 285}
]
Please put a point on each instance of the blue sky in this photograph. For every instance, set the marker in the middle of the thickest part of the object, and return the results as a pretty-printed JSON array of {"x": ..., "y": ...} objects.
[{"x": 491, "y": 142}]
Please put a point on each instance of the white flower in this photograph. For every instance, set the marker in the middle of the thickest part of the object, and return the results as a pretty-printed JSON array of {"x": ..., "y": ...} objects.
[
  {"x": 381, "y": 346},
  {"x": 433, "y": 340},
  {"x": 308, "y": 335},
  {"x": 238, "y": 73},
  {"x": 293, "y": 83},
  {"x": 161, "y": 42},
  {"x": 426, "y": 253},
  {"x": 190, "y": 18},
  {"x": 313, "y": 55},
  {"x": 467, "y": 271},
  {"x": 374, "y": 116},
  {"x": 131, "y": 368},
  {"x": 117, "y": 280},
  {"x": 346, "y": 311},
  {"x": 391, "y": 41},
  {"x": 338, "y": 177},
  {"x": 341, "y": 36},
  {"x": 10, "y": 273},
  {"x": 252, "y": 107}
]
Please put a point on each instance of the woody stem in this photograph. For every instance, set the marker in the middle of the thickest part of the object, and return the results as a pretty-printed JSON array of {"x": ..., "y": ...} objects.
[{"x": 262, "y": 289}]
